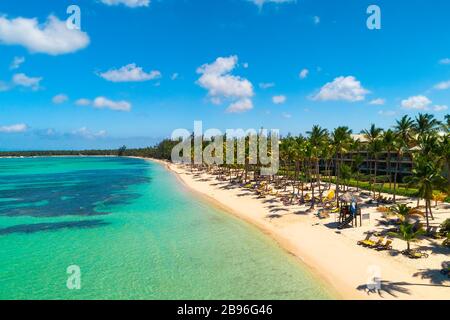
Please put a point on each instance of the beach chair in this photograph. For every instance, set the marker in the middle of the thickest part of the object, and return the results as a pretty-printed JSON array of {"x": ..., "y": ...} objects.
[
  {"x": 385, "y": 246},
  {"x": 335, "y": 210},
  {"x": 433, "y": 231},
  {"x": 329, "y": 197},
  {"x": 372, "y": 242},
  {"x": 366, "y": 239},
  {"x": 415, "y": 254}
]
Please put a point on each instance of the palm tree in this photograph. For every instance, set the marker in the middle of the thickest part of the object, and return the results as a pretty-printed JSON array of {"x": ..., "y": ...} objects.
[
  {"x": 444, "y": 154},
  {"x": 357, "y": 161},
  {"x": 389, "y": 140},
  {"x": 403, "y": 211},
  {"x": 404, "y": 130},
  {"x": 426, "y": 175},
  {"x": 317, "y": 139},
  {"x": 373, "y": 136},
  {"x": 340, "y": 139},
  {"x": 408, "y": 232},
  {"x": 425, "y": 123},
  {"x": 345, "y": 172}
]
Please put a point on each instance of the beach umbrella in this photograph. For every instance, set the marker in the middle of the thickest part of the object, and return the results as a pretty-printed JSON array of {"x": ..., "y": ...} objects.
[
  {"x": 346, "y": 197},
  {"x": 349, "y": 197}
]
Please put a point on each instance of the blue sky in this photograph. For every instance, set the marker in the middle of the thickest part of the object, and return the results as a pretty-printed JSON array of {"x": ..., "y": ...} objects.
[{"x": 137, "y": 70}]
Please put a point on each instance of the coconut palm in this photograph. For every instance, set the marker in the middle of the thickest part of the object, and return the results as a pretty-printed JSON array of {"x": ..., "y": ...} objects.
[
  {"x": 404, "y": 130},
  {"x": 425, "y": 123},
  {"x": 375, "y": 146},
  {"x": 340, "y": 139},
  {"x": 317, "y": 139},
  {"x": 444, "y": 154},
  {"x": 389, "y": 141},
  {"x": 408, "y": 232},
  {"x": 404, "y": 212},
  {"x": 426, "y": 175}
]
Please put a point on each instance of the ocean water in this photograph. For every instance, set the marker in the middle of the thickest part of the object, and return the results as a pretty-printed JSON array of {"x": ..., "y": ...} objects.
[{"x": 134, "y": 232}]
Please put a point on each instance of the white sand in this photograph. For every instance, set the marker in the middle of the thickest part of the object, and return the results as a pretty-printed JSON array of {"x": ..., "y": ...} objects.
[{"x": 333, "y": 255}]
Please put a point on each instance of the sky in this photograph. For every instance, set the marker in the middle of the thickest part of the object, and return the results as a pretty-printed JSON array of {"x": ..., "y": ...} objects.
[{"x": 136, "y": 70}]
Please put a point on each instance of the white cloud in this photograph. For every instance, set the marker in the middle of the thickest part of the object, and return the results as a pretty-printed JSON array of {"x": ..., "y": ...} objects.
[
  {"x": 60, "y": 98},
  {"x": 216, "y": 78},
  {"x": 15, "y": 128},
  {"x": 86, "y": 133},
  {"x": 266, "y": 85},
  {"x": 387, "y": 113},
  {"x": 416, "y": 102},
  {"x": 105, "y": 103},
  {"x": 245, "y": 65},
  {"x": 378, "y": 102},
  {"x": 83, "y": 102},
  {"x": 342, "y": 88},
  {"x": 439, "y": 108},
  {"x": 17, "y": 61},
  {"x": 303, "y": 74},
  {"x": 128, "y": 3},
  {"x": 130, "y": 73},
  {"x": 174, "y": 76},
  {"x": 260, "y": 3},
  {"x": 102, "y": 103},
  {"x": 241, "y": 105},
  {"x": 316, "y": 19},
  {"x": 442, "y": 85},
  {"x": 53, "y": 37},
  {"x": 445, "y": 61},
  {"x": 286, "y": 115},
  {"x": 279, "y": 99},
  {"x": 21, "y": 79}
]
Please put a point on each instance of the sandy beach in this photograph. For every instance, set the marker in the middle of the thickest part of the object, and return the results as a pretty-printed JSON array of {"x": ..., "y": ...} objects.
[{"x": 332, "y": 254}]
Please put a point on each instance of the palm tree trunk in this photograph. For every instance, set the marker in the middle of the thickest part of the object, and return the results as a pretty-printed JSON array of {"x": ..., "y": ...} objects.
[
  {"x": 375, "y": 178},
  {"x": 447, "y": 165},
  {"x": 389, "y": 169},
  {"x": 318, "y": 176},
  {"x": 429, "y": 209},
  {"x": 426, "y": 214},
  {"x": 395, "y": 176},
  {"x": 336, "y": 172}
]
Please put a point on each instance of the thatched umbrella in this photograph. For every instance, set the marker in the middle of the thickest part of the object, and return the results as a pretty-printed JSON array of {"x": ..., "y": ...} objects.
[{"x": 349, "y": 197}]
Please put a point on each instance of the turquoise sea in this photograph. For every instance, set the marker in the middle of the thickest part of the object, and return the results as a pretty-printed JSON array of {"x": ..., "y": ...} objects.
[{"x": 134, "y": 232}]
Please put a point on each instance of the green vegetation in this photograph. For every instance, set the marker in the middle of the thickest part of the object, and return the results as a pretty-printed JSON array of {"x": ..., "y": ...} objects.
[
  {"x": 409, "y": 232},
  {"x": 374, "y": 160}
]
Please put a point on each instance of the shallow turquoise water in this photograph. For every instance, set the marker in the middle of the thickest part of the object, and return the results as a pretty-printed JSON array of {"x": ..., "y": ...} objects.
[{"x": 135, "y": 233}]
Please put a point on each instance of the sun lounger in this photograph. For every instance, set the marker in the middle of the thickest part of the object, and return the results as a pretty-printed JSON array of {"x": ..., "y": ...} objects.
[
  {"x": 415, "y": 254},
  {"x": 367, "y": 238},
  {"x": 372, "y": 242},
  {"x": 433, "y": 232},
  {"x": 386, "y": 246}
]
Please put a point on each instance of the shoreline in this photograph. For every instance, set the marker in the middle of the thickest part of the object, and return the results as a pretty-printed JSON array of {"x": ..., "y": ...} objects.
[
  {"x": 283, "y": 244},
  {"x": 329, "y": 255}
]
